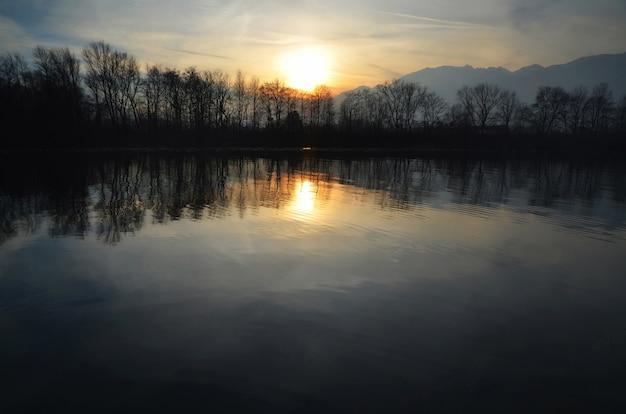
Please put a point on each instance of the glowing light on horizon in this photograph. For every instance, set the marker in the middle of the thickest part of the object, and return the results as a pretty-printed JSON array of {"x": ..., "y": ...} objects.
[{"x": 306, "y": 68}]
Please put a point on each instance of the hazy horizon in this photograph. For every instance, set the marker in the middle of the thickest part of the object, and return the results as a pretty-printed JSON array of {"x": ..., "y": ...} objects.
[{"x": 343, "y": 45}]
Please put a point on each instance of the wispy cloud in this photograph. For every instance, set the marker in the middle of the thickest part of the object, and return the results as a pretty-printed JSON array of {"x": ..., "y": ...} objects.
[
  {"x": 437, "y": 22},
  {"x": 369, "y": 39},
  {"x": 200, "y": 53},
  {"x": 557, "y": 31},
  {"x": 535, "y": 14},
  {"x": 14, "y": 35}
]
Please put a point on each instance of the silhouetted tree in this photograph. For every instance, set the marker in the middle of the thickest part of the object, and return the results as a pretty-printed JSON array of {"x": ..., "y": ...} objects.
[
  {"x": 198, "y": 91},
  {"x": 433, "y": 106},
  {"x": 113, "y": 79},
  {"x": 523, "y": 118},
  {"x": 241, "y": 100},
  {"x": 364, "y": 111},
  {"x": 620, "y": 116},
  {"x": 173, "y": 98},
  {"x": 292, "y": 100},
  {"x": 600, "y": 108},
  {"x": 550, "y": 109},
  {"x": 507, "y": 107},
  {"x": 374, "y": 110},
  {"x": 294, "y": 122},
  {"x": 401, "y": 100},
  {"x": 458, "y": 116},
  {"x": 577, "y": 109},
  {"x": 153, "y": 91},
  {"x": 303, "y": 104},
  {"x": 351, "y": 112},
  {"x": 13, "y": 70},
  {"x": 255, "y": 102},
  {"x": 322, "y": 107},
  {"x": 222, "y": 97},
  {"x": 480, "y": 103},
  {"x": 17, "y": 95},
  {"x": 60, "y": 97},
  {"x": 487, "y": 98},
  {"x": 273, "y": 98}
]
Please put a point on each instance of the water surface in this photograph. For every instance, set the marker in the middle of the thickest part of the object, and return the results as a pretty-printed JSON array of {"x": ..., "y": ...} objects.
[{"x": 194, "y": 283}]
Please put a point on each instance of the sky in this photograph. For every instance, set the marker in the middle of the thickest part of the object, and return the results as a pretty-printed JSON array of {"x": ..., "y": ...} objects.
[{"x": 360, "y": 42}]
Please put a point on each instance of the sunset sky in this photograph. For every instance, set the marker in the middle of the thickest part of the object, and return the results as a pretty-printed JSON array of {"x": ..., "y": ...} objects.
[{"x": 348, "y": 43}]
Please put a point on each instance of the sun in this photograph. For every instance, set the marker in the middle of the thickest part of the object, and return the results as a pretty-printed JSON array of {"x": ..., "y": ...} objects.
[{"x": 306, "y": 68}]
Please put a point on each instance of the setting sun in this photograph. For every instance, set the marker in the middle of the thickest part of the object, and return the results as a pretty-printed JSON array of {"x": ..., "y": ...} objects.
[{"x": 306, "y": 68}]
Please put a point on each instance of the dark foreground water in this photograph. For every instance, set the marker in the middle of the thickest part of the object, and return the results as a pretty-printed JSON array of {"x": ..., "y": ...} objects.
[{"x": 183, "y": 283}]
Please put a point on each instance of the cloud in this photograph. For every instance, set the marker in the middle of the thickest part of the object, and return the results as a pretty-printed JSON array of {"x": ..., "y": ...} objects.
[
  {"x": 534, "y": 14},
  {"x": 369, "y": 39},
  {"x": 201, "y": 54},
  {"x": 431, "y": 22},
  {"x": 551, "y": 32},
  {"x": 16, "y": 39}
]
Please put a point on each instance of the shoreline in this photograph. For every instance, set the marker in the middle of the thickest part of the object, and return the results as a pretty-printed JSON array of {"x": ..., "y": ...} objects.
[{"x": 571, "y": 153}]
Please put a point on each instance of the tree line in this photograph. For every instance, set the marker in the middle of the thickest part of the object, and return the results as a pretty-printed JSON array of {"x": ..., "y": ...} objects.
[
  {"x": 104, "y": 98},
  {"x": 59, "y": 97},
  {"x": 402, "y": 107}
]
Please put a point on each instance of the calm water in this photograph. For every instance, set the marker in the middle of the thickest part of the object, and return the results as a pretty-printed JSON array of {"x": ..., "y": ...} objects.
[{"x": 183, "y": 283}]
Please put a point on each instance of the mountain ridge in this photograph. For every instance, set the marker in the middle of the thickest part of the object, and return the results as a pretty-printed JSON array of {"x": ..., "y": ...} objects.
[{"x": 587, "y": 71}]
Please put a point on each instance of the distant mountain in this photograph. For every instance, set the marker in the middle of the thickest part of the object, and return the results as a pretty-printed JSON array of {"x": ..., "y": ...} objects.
[{"x": 586, "y": 71}]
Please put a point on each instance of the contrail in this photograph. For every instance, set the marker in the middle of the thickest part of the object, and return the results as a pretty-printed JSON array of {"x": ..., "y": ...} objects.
[
  {"x": 200, "y": 53},
  {"x": 432, "y": 20}
]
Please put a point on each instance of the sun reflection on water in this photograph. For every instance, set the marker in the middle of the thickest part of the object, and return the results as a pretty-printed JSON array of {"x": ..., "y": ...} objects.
[{"x": 304, "y": 199}]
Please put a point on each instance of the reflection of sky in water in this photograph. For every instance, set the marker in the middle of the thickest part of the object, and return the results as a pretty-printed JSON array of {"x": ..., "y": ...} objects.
[
  {"x": 302, "y": 284},
  {"x": 324, "y": 233}
]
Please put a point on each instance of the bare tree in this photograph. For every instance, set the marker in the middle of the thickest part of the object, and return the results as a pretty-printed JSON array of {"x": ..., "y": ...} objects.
[
  {"x": 322, "y": 106},
  {"x": 173, "y": 97},
  {"x": 153, "y": 91},
  {"x": 222, "y": 97},
  {"x": 113, "y": 79},
  {"x": 13, "y": 70},
  {"x": 17, "y": 94},
  {"x": 363, "y": 111},
  {"x": 457, "y": 116},
  {"x": 433, "y": 106},
  {"x": 467, "y": 102},
  {"x": 274, "y": 101},
  {"x": 129, "y": 83},
  {"x": 255, "y": 102},
  {"x": 509, "y": 103},
  {"x": 620, "y": 116},
  {"x": 58, "y": 83},
  {"x": 549, "y": 108},
  {"x": 196, "y": 102},
  {"x": 487, "y": 97},
  {"x": 374, "y": 110},
  {"x": 577, "y": 109},
  {"x": 351, "y": 111},
  {"x": 523, "y": 118},
  {"x": 402, "y": 100},
  {"x": 240, "y": 96},
  {"x": 601, "y": 107},
  {"x": 292, "y": 100},
  {"x": 481, "y": 104},
  {"x": 304, "y": 106}
]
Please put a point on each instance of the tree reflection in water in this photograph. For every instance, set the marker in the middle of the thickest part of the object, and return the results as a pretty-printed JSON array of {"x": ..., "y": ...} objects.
[
  {"x": 112, "y": 195},
  {"x": 295, "y": 282}
]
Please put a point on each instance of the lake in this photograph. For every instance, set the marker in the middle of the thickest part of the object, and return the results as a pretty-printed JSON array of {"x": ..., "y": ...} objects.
[{"x": 311, "y": 282}]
